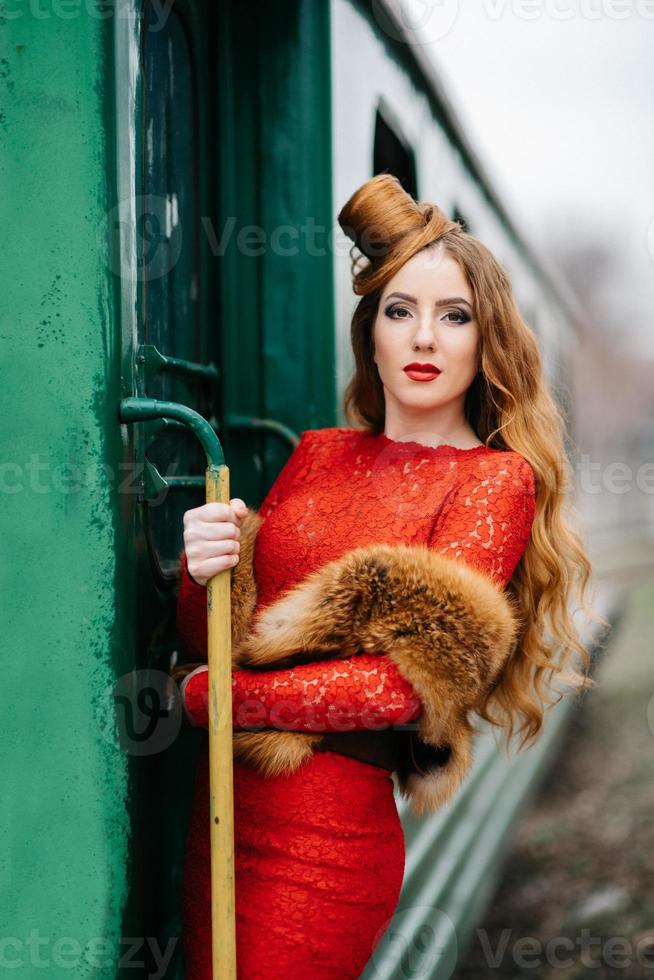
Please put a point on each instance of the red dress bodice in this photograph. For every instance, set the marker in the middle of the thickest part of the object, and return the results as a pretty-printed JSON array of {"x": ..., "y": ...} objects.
[{"x": 340, "y": 489}]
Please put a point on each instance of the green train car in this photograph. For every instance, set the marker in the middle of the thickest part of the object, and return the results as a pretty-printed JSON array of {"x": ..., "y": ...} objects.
[{"x": 171, "y": 174}]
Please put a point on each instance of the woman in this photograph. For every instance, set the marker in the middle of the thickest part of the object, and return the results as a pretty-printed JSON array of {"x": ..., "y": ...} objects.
[{"x": 448, "y": 496}]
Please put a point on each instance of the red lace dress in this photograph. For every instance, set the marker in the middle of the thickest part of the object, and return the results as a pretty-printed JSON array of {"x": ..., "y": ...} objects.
[{"x": 319, "y": 854}]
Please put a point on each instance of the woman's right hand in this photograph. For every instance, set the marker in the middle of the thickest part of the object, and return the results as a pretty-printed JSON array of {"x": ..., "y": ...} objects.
[{"x": 211, "y": 538}]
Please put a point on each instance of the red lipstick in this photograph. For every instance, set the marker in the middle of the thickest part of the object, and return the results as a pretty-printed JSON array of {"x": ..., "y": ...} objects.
[{"x": 421, "y": 372}]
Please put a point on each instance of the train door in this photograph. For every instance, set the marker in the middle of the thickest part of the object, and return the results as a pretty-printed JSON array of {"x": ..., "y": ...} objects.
[{"x": 227, "y": 308}]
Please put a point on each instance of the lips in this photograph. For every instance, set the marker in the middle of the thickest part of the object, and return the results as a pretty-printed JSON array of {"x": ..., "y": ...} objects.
[{"x": 421, "y": 372}]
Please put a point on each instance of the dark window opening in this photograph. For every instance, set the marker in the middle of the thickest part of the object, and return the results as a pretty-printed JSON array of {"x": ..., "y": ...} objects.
[
  {"x": 457, "y": 215},
  {"x": 393, "y": 153}
]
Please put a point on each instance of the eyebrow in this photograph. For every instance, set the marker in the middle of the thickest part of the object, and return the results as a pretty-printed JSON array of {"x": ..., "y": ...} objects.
[{"x": 439, "y": 302}]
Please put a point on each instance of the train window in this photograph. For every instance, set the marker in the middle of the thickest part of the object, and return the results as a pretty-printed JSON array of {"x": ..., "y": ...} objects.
[
  {"x": 392, "y": 153},
  {"x": 170, "y": 342}
]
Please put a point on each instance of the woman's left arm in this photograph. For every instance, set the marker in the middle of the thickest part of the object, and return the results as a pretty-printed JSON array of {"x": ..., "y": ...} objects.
[
  {"x": 488, "y": 521},
  {"x": 366, "y": 691}
]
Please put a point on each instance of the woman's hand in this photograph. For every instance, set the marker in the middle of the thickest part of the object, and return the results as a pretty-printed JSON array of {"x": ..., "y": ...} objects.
[{"x": 211, "y": 538}]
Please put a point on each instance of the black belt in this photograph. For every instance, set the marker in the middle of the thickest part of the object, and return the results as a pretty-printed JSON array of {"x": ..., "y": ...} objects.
[{"x": 377, "y": 748}]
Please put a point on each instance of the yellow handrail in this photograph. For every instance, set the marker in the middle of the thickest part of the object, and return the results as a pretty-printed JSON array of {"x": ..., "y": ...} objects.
[{"x": 221, "y": 772}]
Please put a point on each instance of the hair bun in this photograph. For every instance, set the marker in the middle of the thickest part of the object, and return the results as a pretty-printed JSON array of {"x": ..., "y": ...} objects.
[
  {"x": 379, "y": 211},
  {"x": 388, "y": 226}
]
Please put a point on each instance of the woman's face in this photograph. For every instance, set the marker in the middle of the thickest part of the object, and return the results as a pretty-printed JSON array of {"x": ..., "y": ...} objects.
[{"x": 432, "y": 322}]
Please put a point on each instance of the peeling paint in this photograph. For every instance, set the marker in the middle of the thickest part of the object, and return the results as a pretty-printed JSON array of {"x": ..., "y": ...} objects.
[{"x": 66, "y": 785}]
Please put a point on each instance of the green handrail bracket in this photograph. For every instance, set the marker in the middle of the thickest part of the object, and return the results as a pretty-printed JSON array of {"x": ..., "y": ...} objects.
[
  {"x": 152, "y": 430},
  {"x": 164, "y": 415},
  {"x": 151, "y": 362},
  {"x": 146, "y": 409},
  {"x": 255, "y": 423}
]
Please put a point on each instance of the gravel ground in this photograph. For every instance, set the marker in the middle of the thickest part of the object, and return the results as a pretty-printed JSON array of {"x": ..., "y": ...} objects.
[{"x": 577, "y": 896}]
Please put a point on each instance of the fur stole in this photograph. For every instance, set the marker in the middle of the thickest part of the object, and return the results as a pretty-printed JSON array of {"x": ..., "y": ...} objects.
[{"x": 448, "y": 628}]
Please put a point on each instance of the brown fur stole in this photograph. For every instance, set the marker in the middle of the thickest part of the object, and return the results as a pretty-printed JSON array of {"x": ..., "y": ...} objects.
[{"x": 447, "y": 627}]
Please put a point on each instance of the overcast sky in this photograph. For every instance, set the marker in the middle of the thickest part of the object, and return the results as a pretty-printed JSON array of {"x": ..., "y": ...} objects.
[{"x": 561, "y": 110}]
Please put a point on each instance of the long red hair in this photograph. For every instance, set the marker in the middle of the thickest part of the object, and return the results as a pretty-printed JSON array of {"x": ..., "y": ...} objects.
[{"x": 510, "y": 407}]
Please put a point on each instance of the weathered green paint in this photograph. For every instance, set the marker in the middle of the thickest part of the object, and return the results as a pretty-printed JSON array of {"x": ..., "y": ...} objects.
[{"x": 65, "y": 781}]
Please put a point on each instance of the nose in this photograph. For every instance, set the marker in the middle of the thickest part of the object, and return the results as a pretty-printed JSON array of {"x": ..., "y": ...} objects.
[{"x": 424, "y": 338}]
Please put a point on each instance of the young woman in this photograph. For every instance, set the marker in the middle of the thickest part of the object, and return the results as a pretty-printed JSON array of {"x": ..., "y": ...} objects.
[{"x": 399, "y": 575}]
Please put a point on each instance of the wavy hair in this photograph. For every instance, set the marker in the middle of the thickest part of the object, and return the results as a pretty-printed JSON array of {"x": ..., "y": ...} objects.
[{"x": 509, "y": 406}]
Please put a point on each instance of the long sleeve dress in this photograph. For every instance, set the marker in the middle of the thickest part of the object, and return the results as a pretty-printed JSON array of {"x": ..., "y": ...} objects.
[{"x": 319, "y": 853}]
